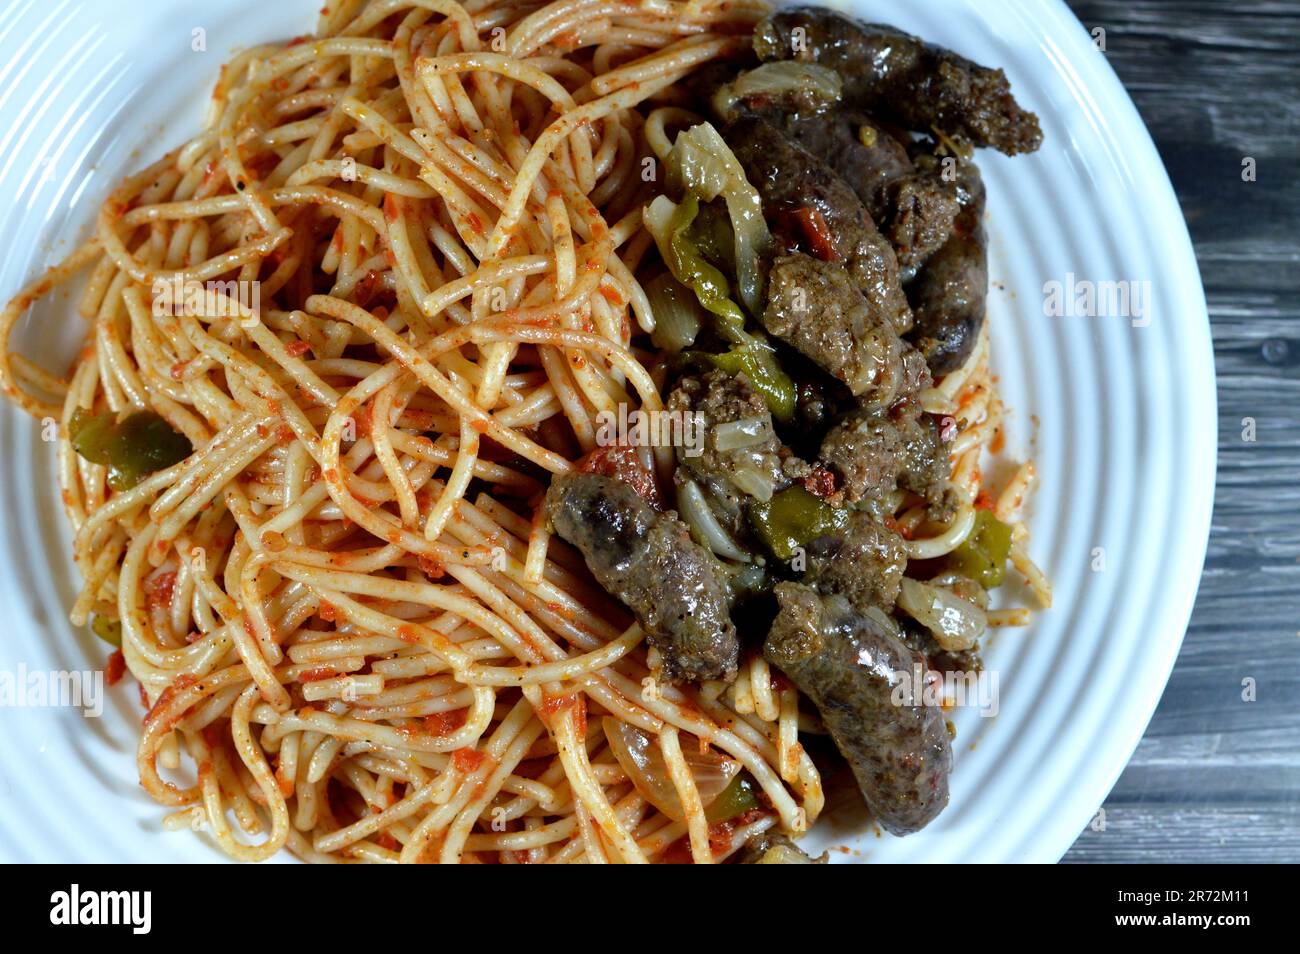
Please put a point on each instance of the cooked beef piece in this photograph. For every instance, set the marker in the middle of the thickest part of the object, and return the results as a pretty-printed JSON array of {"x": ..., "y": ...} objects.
[
  {"x": 926, "y": 466},
  {"x": 950, "y": 294},
  {"x": 815, "y": 307},
  {"x": 673, "y": 586},
  {"x": 849, "y": 664},
  {"x": 872, "y": 453},
  {"x": 866, "y": 452},
  {"x": 892, "y": 74},
  {"x": 773, "y": 848},
  {"x": 835, "y": 137},
  {"x": 834, "y": 133},
  {"x": 729, "y": 477},
  {"x": 864, "y": 563},
  {"x": 913, "y": 208},
  {"x": 924, "y": 212},
  {"x": 799, "y": 193}
]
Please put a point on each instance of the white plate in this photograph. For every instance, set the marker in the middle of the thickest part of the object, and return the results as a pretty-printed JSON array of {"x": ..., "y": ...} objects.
[{"x": 1120, "y": 419}]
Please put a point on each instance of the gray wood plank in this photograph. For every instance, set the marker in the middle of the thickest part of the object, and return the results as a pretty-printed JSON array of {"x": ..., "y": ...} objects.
[
  {"x": 1216, "y": 778},
  {"x": 1140, "y": 834}
]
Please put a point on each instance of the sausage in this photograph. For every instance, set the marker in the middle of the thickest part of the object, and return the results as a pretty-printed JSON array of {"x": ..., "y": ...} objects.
[
  {"x": 873, "y": 452},
  {"x": 901, "y": 77},
  {"x": 647, "y": 559},
  {"x": 913, "y": 208},
  {"x": 950, "y": 294},
  {"x": 849, "y": 665},
  {"x": 815, "y": 307},
  {"x": 864, "y": 563},
  {"x": 792, "y": 182}
]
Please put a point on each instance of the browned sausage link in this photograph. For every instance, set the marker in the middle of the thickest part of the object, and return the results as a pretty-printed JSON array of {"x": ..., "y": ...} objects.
[
  {"x": 814, "y": 307},
  {"x": 790, "y": 180},
  {"x": 899, "y": 76},
  {"x": 647, "y": 559},
  {"x": 863, "y": 563},
  {"x": 913, "y": 208},
  {"x": 872, "y": 452},
  {"x": 836, "y": 137},
  {"x": 950, "y": 293},
  {"x": 849, "y": 665}
]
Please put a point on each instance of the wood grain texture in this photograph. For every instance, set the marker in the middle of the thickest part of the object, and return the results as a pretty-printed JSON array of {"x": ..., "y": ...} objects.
[{"x": 1217, "y": 778}]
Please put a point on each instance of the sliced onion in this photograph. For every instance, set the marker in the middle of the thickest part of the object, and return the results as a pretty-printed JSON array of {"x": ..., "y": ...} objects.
[
  {"x": 964, "y": 587},
  {"x": 780, "y": 80},
  {"x": 640, "y": 756},
  {"x": 956, "y": 623},
  {"x": 753, "y": 482},
  {"x": 705, "y": 165},
  {"x": 658, "y": 217},
  {"x": 746, "y": 432},
  {"x": 704, "y": 525},
  {"x": 678, "y": 313}
]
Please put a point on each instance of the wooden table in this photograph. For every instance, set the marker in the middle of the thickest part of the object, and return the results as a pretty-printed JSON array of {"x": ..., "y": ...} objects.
[{"x": 1216, "y": 778}]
